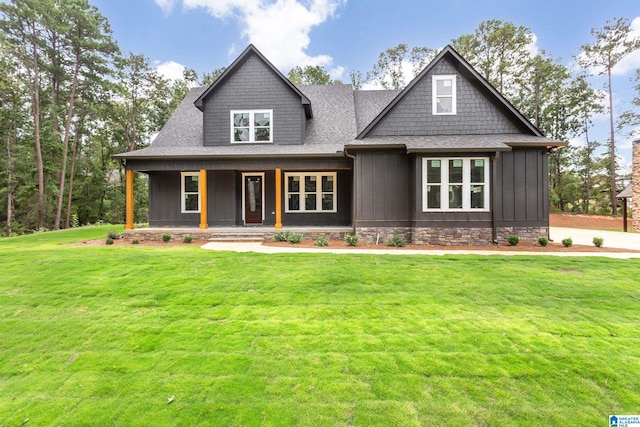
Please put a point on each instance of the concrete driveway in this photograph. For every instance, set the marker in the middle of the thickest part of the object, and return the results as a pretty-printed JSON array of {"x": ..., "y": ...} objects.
[{"x": 612, "y": 239}]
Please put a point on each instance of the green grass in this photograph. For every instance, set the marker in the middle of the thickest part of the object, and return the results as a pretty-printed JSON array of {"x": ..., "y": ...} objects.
[{"x": 97, "y": 336}]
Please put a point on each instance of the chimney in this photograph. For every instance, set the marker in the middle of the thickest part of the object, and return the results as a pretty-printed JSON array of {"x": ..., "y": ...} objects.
[{"x": 635, "y": 185}]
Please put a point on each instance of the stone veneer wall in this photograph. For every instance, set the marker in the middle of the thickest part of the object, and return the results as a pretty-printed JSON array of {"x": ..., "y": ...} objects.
[
  {"x": 635, "y": 186},
  {"x": 382, "y": 234},
  {"x": 144, "y": 234}
]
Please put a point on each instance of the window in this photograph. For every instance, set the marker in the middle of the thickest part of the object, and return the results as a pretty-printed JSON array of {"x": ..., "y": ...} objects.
[
  {"x": 190, "y": 188},
  {"x": 310, "y": 192},
  {"x": 251, "y": 126},
  {"x": 455, "y": 184},
  {"x": 444, "y": 95}
]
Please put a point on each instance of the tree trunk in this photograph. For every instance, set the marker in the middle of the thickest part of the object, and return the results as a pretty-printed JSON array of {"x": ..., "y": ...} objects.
[
  {"x": 65, "y": 147},
  {"x": 587, "y": 184},
  {"x": 9, "y": 143},
  {"x": 71, "y": 175},
  {"x": 35, "y": 108},
  {"x": 612, "y": 148}
]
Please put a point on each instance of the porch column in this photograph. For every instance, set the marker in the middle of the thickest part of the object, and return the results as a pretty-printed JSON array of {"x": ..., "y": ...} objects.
[
  {"x": 278, "y": 198},
  {"x": 128, "y": 224},
  {"x": 203, "y": 199}
]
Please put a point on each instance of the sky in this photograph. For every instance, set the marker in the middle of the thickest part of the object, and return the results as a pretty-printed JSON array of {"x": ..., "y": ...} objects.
[{"x": 344, "y": 35}]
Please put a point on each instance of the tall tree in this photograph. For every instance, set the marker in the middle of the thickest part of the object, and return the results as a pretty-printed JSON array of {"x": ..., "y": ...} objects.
[
  {"x": 611, "y": 43},
  {"x": 390, "y": 71},
  {"x": 311, "y": 75},
  {"x": 498, "y": 50}
]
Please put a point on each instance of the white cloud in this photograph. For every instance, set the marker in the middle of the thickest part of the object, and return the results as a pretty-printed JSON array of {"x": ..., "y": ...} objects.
[
  {"x": 280, "y": 28},
  {"x": 631, "y": 61},
  {"x": 171, "y": 70}
]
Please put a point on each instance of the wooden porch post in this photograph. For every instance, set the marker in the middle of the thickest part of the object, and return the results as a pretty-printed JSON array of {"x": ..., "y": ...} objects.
[
  {"x": 203, "y": 199},
  {"x": 278, "y": 198},
  {"x": 128, "y": 224}
]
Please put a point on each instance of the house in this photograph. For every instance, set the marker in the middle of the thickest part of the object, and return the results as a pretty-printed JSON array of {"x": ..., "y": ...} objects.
[{"x": 448, "y": 160}]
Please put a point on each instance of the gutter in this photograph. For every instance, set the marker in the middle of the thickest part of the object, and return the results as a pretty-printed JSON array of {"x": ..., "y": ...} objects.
[
  {"x": 494, "y": 226},
  {"x": 354, "y": 201}
]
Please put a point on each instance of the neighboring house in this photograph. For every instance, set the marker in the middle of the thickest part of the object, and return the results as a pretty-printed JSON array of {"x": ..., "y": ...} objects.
[{"x": 447, "y": 160}]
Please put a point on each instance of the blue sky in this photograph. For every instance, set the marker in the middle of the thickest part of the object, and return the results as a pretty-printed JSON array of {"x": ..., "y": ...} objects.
[{"x": 345, "y": 35}]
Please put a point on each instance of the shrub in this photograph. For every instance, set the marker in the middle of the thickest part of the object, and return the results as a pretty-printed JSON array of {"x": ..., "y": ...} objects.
[
  {"x": 294, "y": 238},
  {"x": 109, "y": 241},
  {"x": 322, "y": 241},
  {"x": 75, "y": 222},
  {"x": 351, "y": 239},
  {"x": 113, "y": 235},
  {"x": 543, "y": 241},
  {"x": 281, "y": 236},
  {"x": 397, "y": 240},
  {"x": 598, "y": 241},
  {"x": 187, "y": 239},
  {"x": 567, "y": 242},
  {"x": 513, "y": 240},
  {"x": 166, "y": 238},
  {"x": 135, "y": 241}
]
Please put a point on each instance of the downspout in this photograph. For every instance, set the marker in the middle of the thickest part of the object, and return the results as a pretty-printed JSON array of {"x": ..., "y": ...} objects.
[
  {"x": 494, "y": 167},
  {"x": 353, "y": 190}
]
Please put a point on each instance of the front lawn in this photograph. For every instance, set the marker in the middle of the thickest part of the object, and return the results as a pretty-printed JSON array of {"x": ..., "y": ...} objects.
[{"x": 180, "y": 336}]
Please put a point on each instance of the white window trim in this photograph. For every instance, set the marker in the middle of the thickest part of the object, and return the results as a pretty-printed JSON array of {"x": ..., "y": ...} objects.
[
  {"x": 318, "y": 191},
  {"x": 244, "y": 189},
  {"x": 251, "y": 126},
  {"x": 435, "y": 79},
  {"x": 466, "y": 184},
  {"x": 184, "y": 193}
]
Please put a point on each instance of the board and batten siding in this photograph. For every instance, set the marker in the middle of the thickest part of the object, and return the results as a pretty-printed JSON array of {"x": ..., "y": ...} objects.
[
  {"x": 382, "y": 195},
  {"x": 476, "y": 113},
  {"x": 253, "y": 87}
]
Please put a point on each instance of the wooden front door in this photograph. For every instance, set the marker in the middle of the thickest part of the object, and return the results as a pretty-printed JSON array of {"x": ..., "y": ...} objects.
[{"x": 253, "y": 199}]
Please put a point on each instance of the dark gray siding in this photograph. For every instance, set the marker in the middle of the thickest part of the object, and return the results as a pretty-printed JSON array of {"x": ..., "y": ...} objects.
[
  {"x": 253, "y": 86},
  {"x": 222, "y": 199},
  {"x": 383, "y": 188},
  {"x": 344, "y": 188},
  {"x": 476, "y": 114},
  {"x": 245, "y": 164},
  {"x": 523, "y": 188},
  {"x": 164, "y": 202}
]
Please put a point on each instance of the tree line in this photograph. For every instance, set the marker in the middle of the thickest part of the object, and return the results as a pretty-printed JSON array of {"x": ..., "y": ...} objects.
[{"x": 70, "y": 99}]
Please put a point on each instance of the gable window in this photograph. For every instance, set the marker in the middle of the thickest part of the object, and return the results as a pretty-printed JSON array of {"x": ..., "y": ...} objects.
[
  {"x": 251, "y": 126},
  {"x": 455, "y": 184},
  {"x": 190, "y": 189},
  {"x": 444, "y": 94},
  {"x": 310, "y": 192}
]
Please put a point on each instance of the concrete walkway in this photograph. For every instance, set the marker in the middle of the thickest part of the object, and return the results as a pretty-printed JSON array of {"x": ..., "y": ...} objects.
[{"x": 579, "y": 237}]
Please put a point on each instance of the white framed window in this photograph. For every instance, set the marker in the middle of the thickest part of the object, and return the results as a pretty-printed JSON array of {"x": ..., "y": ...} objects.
[
  {"x": 444, "y": 94},
  {"x": 190, "y": 192},
  {"x": 310, "y": 192},
  {"x": 455, "y": 184},
  {"x": 251, "y": 126}
]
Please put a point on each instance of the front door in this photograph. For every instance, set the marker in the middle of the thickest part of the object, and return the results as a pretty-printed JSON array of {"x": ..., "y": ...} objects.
[{"x": 253, "y": 199}]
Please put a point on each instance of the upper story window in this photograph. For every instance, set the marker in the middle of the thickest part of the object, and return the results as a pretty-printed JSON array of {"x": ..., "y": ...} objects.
[
  {"x": 455, "y": 184},
  {"x": 190, "y": 189},
  {"x": 251, "y": 126},
  {"x": 444, "y": 94}
]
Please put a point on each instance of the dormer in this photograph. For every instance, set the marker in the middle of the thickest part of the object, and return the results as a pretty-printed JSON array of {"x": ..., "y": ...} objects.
[{"x": 253, "y": 103}]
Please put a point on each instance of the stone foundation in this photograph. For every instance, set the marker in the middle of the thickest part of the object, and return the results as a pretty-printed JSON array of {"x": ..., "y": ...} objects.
[
  {"x": 241, "y": 234},
  {"x": 526, "y": 234},
  {"x": 454, "y": 236},
  {"x": 382, "y": 234}
]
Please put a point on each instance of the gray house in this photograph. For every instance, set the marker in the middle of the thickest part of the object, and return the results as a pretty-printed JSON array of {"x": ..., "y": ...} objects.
[{"x": 445, "y": 161}]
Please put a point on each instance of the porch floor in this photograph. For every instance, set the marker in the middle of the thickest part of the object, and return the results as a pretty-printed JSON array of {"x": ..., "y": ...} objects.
[{"x": 239, "y": 233}]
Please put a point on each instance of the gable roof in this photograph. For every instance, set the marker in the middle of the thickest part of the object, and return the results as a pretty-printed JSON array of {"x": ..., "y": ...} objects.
[
  {"x": 235, "y": 65},
  {"x": 451, "y": 53}
]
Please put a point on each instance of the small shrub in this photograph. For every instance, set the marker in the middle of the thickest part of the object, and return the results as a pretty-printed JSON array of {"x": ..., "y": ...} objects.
[
  {"x": 513, "y": 240},
  {"x": 166, "y": 238},
  {"x": 281, "y": 236},
  {"x": 109, "y": 241},
  {"x": 543, "y": 241},
  {"x": 113, "y": 235},
  {"x": 567, "y": 242},
  {"x": 397, "y": 240},
  {"x": 294, "y": 238},
  {"x": 322, "y": 241},
  {"x": 135, "y": 241},
  {"x": 187, "y": 239},
  {"x": 598, "y": 241},
  {"x": 351, "y": 239},
  {"x": 75, "y": 222}
]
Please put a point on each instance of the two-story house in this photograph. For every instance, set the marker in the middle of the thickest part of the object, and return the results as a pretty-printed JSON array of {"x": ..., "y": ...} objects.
[{"x": 448, "y": 160}]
